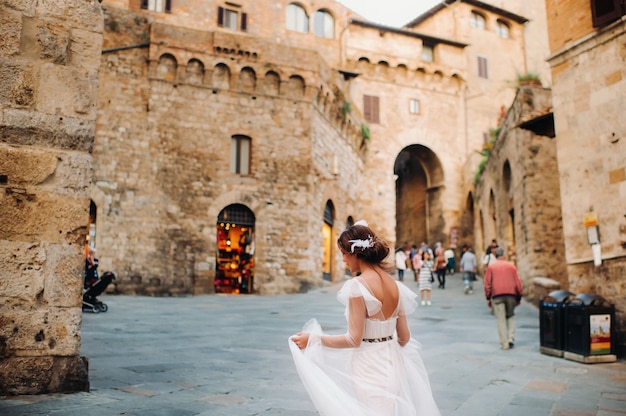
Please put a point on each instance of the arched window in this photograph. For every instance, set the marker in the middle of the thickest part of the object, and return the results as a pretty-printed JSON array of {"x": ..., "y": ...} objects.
[
  {"x": 240, "y": 154},
  {"x": 194, "y": 73},
  {"x": 324, "y": 24},
  {"x": 477, "y": 20},
  {"x": 502, "y": 29},
  {"x": 166, "y": 69},
  {"x": 247, "y": 80},
  {"x": 297, "y": 19},
  {"x": 221, "y": 76}
]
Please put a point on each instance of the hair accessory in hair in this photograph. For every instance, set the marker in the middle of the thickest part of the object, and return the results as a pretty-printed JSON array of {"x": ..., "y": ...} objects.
[
  {"x": 361, "y": 243},
  {"x": 361, "y": 222}
]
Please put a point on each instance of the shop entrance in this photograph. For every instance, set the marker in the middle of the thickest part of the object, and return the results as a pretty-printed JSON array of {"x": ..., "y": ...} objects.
[
  {"x": 235, "y": 250},
  {"x": 328, "y": 241}
]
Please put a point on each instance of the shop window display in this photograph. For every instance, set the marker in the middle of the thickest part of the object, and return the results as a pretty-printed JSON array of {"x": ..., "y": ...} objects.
[{"x": 235, "y": 259}]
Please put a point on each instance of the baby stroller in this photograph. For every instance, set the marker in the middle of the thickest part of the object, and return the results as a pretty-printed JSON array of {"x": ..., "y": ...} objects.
[{"x": 90, "y": 302}]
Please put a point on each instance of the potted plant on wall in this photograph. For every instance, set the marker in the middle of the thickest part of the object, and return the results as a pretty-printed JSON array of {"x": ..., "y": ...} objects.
[{"x": 527, "y": 79}]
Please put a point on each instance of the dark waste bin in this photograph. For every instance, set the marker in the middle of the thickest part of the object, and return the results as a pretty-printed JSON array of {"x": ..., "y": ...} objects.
[
  {"x": 552, "y": 322},
  {"x": 590, "y": 329}
]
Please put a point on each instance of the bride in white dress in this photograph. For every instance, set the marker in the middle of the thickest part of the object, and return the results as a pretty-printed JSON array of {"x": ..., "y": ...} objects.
[{"x": 375, "y": 368}]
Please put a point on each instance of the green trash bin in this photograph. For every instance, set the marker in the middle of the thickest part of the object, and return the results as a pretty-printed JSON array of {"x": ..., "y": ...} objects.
[{"x": 590, "y": 329}]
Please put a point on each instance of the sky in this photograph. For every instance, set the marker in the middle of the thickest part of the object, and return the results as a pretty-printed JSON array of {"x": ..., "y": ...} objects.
[{"x": 394, "y": 13}]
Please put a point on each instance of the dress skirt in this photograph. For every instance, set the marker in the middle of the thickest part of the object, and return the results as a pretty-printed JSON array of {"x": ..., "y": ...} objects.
[{"x": 375, "y": 379}]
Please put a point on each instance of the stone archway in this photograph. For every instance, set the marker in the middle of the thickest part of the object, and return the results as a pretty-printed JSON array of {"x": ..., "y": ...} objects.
[{"x": 419, "y": 187}]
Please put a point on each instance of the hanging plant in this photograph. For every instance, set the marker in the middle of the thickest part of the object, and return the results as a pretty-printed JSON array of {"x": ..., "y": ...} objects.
[
  {"x": 365, "y": 132},
  {"x": 346, "y": 109}
]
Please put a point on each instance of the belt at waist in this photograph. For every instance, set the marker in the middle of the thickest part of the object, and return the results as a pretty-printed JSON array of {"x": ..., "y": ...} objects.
[{"x": 384, "y": 339}]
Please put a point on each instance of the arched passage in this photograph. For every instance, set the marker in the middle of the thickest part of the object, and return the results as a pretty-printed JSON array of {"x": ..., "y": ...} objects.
[
  {"x": 234, "y": 269},
  {"x": 509, "y": 226},
  {"x": 467, "y": 222},
  {"x": 419, "y": 187}
]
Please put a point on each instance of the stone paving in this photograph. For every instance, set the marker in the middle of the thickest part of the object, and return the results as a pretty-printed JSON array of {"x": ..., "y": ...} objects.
[{"x": 227, "y": 355}]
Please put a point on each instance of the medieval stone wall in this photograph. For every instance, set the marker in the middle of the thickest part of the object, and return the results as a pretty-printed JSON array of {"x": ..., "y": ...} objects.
[
  {"x": 589, "y": 94},
  {"x": 515, "y": 194},
  {"x": 49, "y": 60},
  {"x": 162, "y": 157}
]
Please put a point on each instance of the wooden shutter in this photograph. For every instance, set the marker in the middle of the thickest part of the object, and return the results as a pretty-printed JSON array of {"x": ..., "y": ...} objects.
[
  {"x": 605, "y": 11},
  {"x": 482, "y": 67},
  {"x": 220, "y": 16},
  {"x": 244, "y": 21},
  {"x": 370, "y": 108}
]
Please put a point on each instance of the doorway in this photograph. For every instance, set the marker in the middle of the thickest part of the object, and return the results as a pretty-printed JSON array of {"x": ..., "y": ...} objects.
[{"x": 234, "y": 268}]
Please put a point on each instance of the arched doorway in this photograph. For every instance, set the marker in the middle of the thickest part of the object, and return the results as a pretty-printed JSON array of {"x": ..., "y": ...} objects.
[
  {"x": 328, "y": 241},
  {"x": 234, "y": 268},
  {"x": 419, "y": 187},
  {"x": 467, "y": 222},
  {"x": 509, "y": 226},
  {"x": 91, "y": 227}
]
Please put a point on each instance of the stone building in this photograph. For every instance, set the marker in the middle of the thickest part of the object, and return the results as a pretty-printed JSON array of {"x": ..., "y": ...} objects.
[
  {"x": 295, "y": 118},
  {"x": 49, "y": 62},
  {"x": 514, "y": 196},
  {"x": 589, "y": 93}
]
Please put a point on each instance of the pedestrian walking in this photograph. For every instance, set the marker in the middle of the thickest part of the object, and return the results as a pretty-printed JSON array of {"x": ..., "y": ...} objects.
[
  {"x": 375, "y": 368},
  {"x": 426, "y": 278},
  {"x": 400, "y": 263},
  {"x": 440, "y": 265},
  {"x": 450, "y": 258},
  {"x": 467, "y": 266},
  {"x": 503, "y": 290}
]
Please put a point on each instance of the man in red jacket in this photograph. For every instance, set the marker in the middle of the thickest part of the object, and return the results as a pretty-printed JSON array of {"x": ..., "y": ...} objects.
[{"x": 503, "y": 290}]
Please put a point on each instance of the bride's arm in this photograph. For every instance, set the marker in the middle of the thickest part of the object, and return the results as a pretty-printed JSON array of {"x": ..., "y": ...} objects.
[
  {"x": 402, "y": 328},
  {"x": 356, "y": 327}
]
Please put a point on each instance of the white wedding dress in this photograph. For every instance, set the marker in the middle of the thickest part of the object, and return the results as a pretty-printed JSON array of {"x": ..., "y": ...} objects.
[{"x": 374, "y": 379}]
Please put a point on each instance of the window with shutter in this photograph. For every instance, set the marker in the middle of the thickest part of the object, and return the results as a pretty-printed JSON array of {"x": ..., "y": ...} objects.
[
  {"x": 371, "y": 109},
  {"x": 220, "y": 16},
  {"x": 240, "y": 154},
  {"x": 244, "y": 21},
  {"x": 605, "y": 11},
  {"x": 232, "y": 19},
  {"x": 157, "y": 5},
  {"x": 482, "y": 67}
]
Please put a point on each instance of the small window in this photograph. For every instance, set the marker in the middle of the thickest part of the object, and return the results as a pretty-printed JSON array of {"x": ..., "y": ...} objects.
[
  {"x": 370, "y": 109},
  {"x": 477, "y": 20},
  {"x": 428, "y": 53},
  {"x": 157, "y": 5},
  {"x": 605, "y": 11},
  {"x": 502, "y": 29},
  {"x": 231, "y": 19},
  {"x": 297, "y": 20},
  {"x": 414, "y": 106},
  {"x": 482, "y": 67},
  {"x": 240, "y": 155},
  {"x": 324, "y": 24}
]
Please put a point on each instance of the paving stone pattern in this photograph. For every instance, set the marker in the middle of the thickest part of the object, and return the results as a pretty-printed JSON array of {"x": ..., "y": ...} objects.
[{"x": 224, "y": 355}]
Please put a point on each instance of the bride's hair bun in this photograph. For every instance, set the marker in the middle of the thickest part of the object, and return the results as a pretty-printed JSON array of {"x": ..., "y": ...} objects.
[{"x": 361, "y": 240}]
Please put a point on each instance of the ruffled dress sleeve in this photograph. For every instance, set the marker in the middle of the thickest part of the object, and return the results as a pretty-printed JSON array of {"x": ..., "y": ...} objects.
[
  {"x": 407, "y": 303},
  {"x": 353, "y": 288}
]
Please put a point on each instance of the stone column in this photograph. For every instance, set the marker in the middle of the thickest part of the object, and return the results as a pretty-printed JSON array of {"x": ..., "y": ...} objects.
[{"x": 49, "y": 60}]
